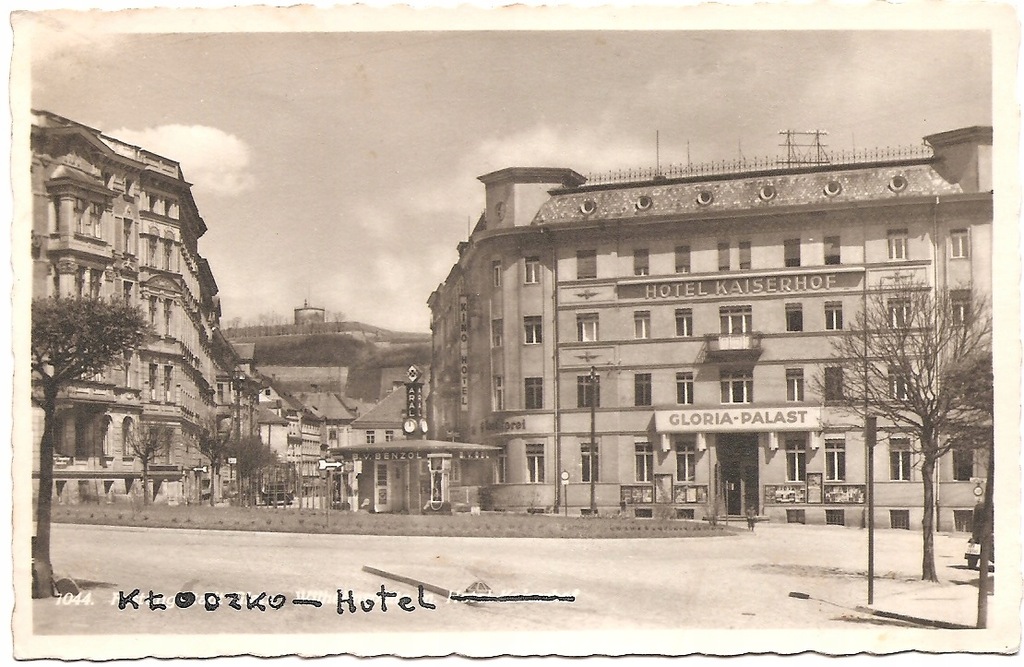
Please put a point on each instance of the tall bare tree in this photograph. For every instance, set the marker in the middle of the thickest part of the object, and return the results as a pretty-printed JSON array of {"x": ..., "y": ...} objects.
[
  {"x": 252, "y": 456},
  {"x": 214, "y": 445},
  {"x": 71, "y": 339},
  {"x": 905, "y": 359},
  {"x": 150, "y": 443}
]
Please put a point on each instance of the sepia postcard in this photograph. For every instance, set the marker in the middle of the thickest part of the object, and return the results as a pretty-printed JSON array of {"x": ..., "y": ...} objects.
[{"x": 482, "y": 330}]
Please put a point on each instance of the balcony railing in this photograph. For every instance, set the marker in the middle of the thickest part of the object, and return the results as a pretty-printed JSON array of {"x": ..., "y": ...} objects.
[{"x": 732, "y": 347}]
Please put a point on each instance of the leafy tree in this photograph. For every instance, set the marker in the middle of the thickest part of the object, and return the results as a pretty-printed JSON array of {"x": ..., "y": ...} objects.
[
  {"x": 71, "y": 339},
  {"x": 214, "y": 445},
  {"x": 149, "y": 443},
  {"x": 908, "y": 359},
  {"x": 251, "y": 456}
]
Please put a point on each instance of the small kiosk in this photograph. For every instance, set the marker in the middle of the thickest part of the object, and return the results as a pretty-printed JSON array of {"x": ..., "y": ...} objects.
[{"x": 417, "y": 476}]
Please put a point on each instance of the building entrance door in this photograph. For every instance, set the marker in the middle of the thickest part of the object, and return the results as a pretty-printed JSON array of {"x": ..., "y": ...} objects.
[{"x": 737, "y": 457}]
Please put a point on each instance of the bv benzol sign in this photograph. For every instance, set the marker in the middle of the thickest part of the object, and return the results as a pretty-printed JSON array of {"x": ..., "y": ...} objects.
[{"x": 754, "y": 285}]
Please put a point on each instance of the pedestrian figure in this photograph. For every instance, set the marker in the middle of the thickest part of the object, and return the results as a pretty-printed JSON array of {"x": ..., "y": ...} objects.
[{"x": 750, "y": 519}]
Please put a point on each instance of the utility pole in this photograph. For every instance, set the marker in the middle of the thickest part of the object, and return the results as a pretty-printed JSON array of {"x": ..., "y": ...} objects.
[
  {"x": 870, "y": 434},
  {"x": 593, "y": 440}
]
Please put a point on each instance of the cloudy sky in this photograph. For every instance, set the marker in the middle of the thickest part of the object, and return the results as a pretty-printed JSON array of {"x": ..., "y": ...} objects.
[{"x": 342, "y": 165}]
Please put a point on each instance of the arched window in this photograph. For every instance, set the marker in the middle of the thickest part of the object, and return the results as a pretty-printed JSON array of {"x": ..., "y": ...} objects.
[
  {"x": 127, "y": 437},
  {"x": 107, "y": 447}
]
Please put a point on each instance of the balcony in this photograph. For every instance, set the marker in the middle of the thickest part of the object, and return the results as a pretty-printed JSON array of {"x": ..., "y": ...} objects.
[{"x": 731, "y": 347}]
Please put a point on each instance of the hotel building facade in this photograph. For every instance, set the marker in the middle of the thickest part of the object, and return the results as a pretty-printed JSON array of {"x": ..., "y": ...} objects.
[
  {"x": 112, "y": 220},
  {"x": 704, "y": 303}
]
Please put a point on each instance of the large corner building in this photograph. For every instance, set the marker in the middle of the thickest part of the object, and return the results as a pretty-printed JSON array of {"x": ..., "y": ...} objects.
[{"x": 703, "y": 302}]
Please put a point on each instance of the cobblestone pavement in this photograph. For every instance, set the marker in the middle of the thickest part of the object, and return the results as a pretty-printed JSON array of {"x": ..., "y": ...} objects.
[{"x": 702, "y": 589}]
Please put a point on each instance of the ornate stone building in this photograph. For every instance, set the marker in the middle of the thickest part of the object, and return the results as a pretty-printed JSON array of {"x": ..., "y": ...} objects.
[
  {"x": 704, "y": 300},
  {"x": 113, "y": 220}
]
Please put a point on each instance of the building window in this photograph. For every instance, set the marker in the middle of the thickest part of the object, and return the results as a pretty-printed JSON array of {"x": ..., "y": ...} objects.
[
  {"x": 127, "y": 286},
  {"x": 641, "y": 262},
  {"x": 389, "y": 435},
  {"x": 152, "y": 311},
  {"x": 959, "y": 244},
  {"x": 371, "y": 437},
  {"x": 168, "y": 380},
  {"x": 168, "y": 249},
  {"x": 684, "y": 322},
  {"x": 796, "y": 516},
  {"x": 686, "y": 459},
  {"x": 496, "y": 273},
  {"x": 642, "y": 324},
  {"x": 96, "y": 283},
  {"x": 899, "y": 519},
  {"x": 794, "y": 317},
  {"x": 737, "y": 386},
  {"x": 532, "y": 273},
  {"x": 382, "y": 475},
  {"x": 642, "y": 389},
  {"x": 332, "y": 435},
  {"x": 498, "y": 397},
  {"x": 684, "y": 388},
  {"x": 532, "y": 326},
  {"x": 535, "y": 463},
  {"x": 796, "y": 460},
  {"x": 644, "y": 455},
  {"x": 682, "y": 259},
  {"x": 502, "y": 467},
  {"x": 588, "y": 394},
  {"x": 153, "y": 370},
  {"x": 128, "y": 369},
  {"x": 590, "y": 463},
  {"x": 833, "y": 383},
  {"x": 791, "y": 252},
  {"x": 899, "y": 313},
  {"x": 735, "y": 319},
  {"x": 534, "y": 393},
  {"x": 151, "y": 255},
  {"x": 963, "y": 464},
  {"x": 899, "y": 459},
  {"x": 898, "y": 388},
  {"x": 833, "y": 315},
  {"x": 586, "y": 264},
  {"x": 960, "y": 302},
  {"x": 897, "y": 244},
  {"x": 794, "y": 384},
  {"x": 832, "y": 250},
  {"x": 744, "y": 255},
  {"x": 723, "y": 256},
  {"x": 168, "y": 316},
  {"x": 587, "y": 327},
  {"x": 835, "y": 517},
  {"x": 835, "y": 459},
  {"x": 496, "y": 330},
  {"x": 126, "y": 236}
]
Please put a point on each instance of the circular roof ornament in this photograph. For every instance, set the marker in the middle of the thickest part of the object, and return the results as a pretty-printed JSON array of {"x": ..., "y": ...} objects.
[
  {"x": 898, "y": 183},
  {"x": 644, "y": 202},
  {"x": 767, "y": 192},
  {"x": 832, "y": 188},
  {"x": 704, "y": 197},
  {"x": 588, "y": 206}
]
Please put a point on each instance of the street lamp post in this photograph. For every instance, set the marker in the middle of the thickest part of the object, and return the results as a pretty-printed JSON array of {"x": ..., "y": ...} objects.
[{"x": 593, "y": 439}]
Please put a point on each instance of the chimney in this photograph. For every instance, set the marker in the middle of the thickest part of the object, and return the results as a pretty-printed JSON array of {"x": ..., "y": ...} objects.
[{"x": 964, "y": 157}]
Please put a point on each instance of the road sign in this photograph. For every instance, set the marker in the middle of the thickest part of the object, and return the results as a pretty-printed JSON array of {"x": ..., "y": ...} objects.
[
  {"x": 565, "y": 476},
  {"x": 324, "y": 464},
  {"x": 201, "y": 469},
  {"x": 232, "y": 460}
]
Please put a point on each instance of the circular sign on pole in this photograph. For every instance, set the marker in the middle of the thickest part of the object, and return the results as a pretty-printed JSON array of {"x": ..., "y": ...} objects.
[
  {"x": 978, "y": 491},
  {"x": 565, "y": 477}
]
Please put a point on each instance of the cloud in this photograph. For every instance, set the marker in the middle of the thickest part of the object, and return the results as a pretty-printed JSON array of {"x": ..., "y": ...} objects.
[{"x": 217, "y": 162}]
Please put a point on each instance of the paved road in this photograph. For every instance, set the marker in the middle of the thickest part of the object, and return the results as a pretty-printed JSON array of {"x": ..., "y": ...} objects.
[{"x": 723, "y": 583}]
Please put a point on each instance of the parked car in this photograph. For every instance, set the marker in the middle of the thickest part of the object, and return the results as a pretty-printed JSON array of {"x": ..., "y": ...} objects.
[{"x": 277, "y": 494}]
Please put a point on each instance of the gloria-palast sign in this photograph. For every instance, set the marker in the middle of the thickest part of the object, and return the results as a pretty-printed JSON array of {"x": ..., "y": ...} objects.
[{"x": 738, "y": 419}]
